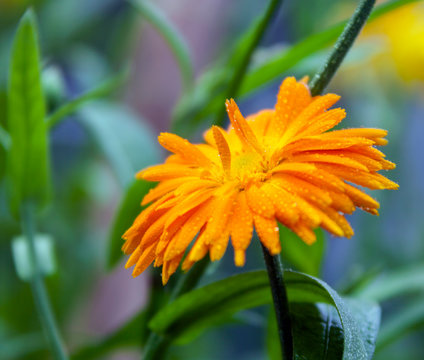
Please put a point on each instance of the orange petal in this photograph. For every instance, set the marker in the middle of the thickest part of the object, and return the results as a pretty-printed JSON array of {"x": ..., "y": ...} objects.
[
  {"x": 259, "y": 202},
  {"x": 167, "y": 172},
  {"x": 242, "y": 128},
  {"x": 169, "y": 267},
  {"x": 145, "y": 260},
  {"x": 308, "y": 115},
  {"x": 286, "y": 210},
  {"x": 361, "y": 199},
  {"x": 187, "y": 203},
  {"x": 292, "y": 98},
  {"x": 218, "y": 247},
  {"x": 184, "y": 148},
  {"x": 334, "y": 159},
  {"x": 223, "y": 149},
  {"x": 163, "y": 188},
  {"x": 197, "y": 252},
  {"x": 191, "y": 186},
  {"x": 324, "y": 122},
  {"x": 268, "y": 233},
  {"x": 303, "y": 189},
  {"x": 222, "y": 212},
  {"x": 304, "y": 232},
  {"x": 306, "y": 210},
  {"x": 170, "y": 231},
  {"x": 363, "y": 178},
  {"x": 188, "y": 231},
  {"x": 342, "y": 202},
  {"x": 241, "y": 224}
]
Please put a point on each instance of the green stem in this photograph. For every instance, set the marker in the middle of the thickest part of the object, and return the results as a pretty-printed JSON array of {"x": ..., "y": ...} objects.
[
  {"x": 281, "y": 303},
  {"x": 157, "y": 346},
  {"x": 38, "y": 289},
  {"x": 343, "y": 44},
  {"x": 244, "y": 58}
]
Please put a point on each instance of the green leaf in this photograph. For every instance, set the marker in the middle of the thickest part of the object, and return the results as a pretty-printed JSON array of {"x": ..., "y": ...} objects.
[
  {"x": 124, "y": 139},
  {"x": 317, "y": 333},
  {"x": 409, "y": 318},
  {"x": 100, "y": 91},
  {"x": 28, "y": 164},
  {"x": 200, "y": 308},
  {"x": 171, "y": 35},
  {"x": 360, "y": 319},
  {"x": 128, "y": 209},
  {"x": 392, "y": 284},
  {"x": 305, "y": 258},
  {"x": 44, "y": 249}
]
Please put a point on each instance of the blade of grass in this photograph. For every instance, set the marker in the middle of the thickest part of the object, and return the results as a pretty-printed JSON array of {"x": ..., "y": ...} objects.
[{"x": 172, "y": 37}]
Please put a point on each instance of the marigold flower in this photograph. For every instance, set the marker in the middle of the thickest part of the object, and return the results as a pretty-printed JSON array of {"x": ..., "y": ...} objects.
[{"x": 277, "y": 165}]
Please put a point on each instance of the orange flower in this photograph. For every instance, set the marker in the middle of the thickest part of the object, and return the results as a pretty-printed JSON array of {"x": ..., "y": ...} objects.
[{"x": 277, "y": 165}]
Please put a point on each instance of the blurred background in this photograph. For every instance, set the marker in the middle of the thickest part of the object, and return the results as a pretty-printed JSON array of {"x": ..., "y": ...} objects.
[{"x": 96, "y": 151}]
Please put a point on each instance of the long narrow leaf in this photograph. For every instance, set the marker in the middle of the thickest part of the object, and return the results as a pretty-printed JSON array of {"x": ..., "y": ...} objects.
[{"x": 28, "y": 164}]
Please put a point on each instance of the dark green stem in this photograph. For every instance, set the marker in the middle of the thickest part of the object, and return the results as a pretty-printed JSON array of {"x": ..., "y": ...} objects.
[
  {"x": 157, "y": 346},
  {"x": 39, "y": 292},
  {"x": 281, "y": 303},
  {"x": 244, "y": 58},
  {"x": 343, "y": 44}
]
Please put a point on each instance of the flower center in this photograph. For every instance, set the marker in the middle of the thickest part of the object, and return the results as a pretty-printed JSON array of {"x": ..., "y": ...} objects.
[{"x": 249, "y": 168}]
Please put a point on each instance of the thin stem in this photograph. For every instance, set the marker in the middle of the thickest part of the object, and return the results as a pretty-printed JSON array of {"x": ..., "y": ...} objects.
[
  {"x": 157, "y": 346},
  {"x": 254, "y": 38},
  {"x": 281, "y": 303},
  {"x": 41, "y": 299},
  {"x": 343, "y": 44}
]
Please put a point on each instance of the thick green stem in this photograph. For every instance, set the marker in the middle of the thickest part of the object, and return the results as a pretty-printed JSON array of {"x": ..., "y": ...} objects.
[
  {"x": 157, "y": 346},
  {"x": 38, "y": 289},
  {"x": 343, "y": 44},
  {"x": 281, "y": 303}
]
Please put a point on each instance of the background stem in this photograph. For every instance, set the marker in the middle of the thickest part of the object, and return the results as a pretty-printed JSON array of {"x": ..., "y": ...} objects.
[
  {"x": 281, "y": 303},
  {"x": 39, "y": 292},
  {"x": 342, "y": 46}
]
